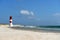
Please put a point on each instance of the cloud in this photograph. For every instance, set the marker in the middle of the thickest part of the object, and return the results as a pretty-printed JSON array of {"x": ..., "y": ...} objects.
[
  {"x": 26, "y": 12},
  {"x": 56, "y": 14},
  {"x": 32, "y": 13},
  {"x": 29, "y": 15}
]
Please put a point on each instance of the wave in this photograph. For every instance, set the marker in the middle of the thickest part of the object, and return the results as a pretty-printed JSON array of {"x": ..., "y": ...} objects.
[{"x": 40, "y": 27}]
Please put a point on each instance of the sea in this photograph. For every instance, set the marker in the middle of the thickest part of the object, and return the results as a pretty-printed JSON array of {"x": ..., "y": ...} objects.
[{"x": 49, "y": 28}]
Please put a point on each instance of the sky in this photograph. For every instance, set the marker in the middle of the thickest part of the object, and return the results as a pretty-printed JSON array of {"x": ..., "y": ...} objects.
[{"x": 30, "y": 12}]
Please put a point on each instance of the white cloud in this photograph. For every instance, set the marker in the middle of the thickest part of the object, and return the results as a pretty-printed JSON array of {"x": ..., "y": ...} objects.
[
  {"x": 30, "y": 14},
  {"x": 26, "y": 12}
]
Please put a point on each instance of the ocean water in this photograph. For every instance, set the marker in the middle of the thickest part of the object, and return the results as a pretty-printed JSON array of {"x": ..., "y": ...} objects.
[
  {"x": 57, "y": 28},
  {"x": 45, "y": 27},
  {"x": 50, "y": 28}
]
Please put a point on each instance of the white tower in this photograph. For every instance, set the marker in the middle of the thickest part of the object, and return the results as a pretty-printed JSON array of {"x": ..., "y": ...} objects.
[{"x": 10, "y": 21}]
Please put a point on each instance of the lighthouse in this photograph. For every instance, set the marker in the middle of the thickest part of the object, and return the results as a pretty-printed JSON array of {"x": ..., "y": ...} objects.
[{"x": 10, "y": 21}]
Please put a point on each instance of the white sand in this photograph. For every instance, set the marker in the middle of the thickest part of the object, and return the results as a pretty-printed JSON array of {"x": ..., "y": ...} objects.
[{"x": 12, "y": 34}]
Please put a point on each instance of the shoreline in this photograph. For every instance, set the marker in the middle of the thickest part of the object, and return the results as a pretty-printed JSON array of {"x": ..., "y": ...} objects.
[
  {"x": 30, "y": 29},
  {"x": 7, "y": 33}
]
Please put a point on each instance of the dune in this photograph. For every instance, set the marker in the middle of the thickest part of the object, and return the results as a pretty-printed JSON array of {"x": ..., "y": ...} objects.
[{"x": 7, "y": 33}]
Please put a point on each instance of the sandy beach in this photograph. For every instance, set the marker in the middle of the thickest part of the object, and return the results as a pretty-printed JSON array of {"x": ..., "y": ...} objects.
[{"x": 7, "y": 33}]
